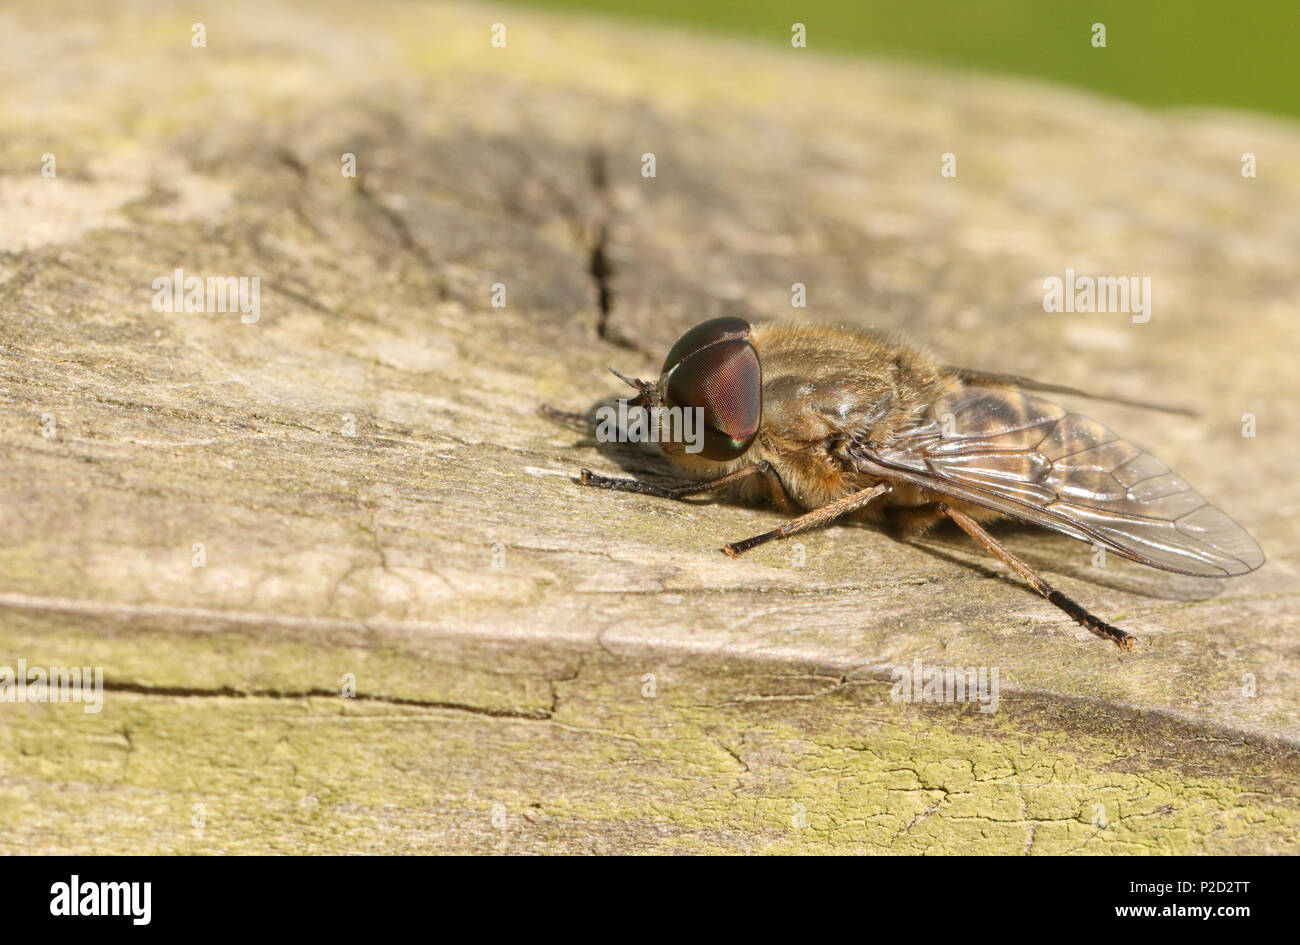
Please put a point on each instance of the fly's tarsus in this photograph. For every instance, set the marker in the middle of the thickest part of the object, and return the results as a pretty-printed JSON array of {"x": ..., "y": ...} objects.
[
  {"x": 738, "y": 548},
  {"x": 1091, "y": 621},
  {"x": 685, "y": 490},
  {"x": 589, "y": 478}
]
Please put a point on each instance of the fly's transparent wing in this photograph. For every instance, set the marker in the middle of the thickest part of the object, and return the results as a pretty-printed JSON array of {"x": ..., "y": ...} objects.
[
  {"x": 977, "y": 378},
  {"x": 1030, "y": 459}
]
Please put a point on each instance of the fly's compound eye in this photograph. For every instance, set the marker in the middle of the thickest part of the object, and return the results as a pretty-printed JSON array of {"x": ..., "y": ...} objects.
[
  {"x": 715, "y": 368},
  {"x": 703, "y": 335}
]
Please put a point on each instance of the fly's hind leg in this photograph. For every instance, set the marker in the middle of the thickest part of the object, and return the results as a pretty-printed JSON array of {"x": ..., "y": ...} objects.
[{"x": 1053, "y": 596}]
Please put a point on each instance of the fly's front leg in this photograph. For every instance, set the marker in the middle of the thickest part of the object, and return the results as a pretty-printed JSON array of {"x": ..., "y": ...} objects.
[
  {"x": 776, "y": 489},
  {"x": 814, "y": 519},
  {"x": 589, "y": 478},
  {"x": 1053, "y": 596}
]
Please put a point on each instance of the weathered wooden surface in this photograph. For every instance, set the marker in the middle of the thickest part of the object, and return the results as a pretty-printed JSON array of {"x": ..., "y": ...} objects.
[{"x": 503, "y": 708}]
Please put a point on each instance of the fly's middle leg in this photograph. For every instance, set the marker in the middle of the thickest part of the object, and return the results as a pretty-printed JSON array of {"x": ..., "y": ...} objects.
[{"x": 814, "y": 519}]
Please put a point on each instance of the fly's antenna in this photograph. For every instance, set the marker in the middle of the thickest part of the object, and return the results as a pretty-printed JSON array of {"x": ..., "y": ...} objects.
[
  {"x": 630, "y": 381},
  {"x": 645, "y": 397}
]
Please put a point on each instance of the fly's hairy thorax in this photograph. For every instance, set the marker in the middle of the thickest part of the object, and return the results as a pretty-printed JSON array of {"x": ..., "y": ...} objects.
[{"x": 824, "y": 388}]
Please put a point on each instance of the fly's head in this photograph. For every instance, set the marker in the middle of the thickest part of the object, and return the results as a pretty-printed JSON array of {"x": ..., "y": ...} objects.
[{"x": 713, "y": 374}]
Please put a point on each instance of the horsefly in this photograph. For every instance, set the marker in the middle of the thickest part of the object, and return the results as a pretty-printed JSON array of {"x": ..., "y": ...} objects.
[{"x": 839, "y": 422}]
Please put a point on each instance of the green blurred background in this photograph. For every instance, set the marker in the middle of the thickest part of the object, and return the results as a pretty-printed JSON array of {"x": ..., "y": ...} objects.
[{"x": 1158, "y": 52}]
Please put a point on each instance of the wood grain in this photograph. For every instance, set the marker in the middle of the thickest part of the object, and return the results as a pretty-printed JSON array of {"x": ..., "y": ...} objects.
[{"x": 543, "y": 668}]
